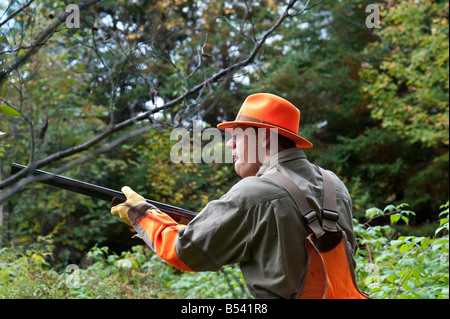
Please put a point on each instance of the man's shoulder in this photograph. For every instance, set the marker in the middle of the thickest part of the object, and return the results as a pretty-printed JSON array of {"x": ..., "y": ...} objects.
[
  {"x": 254, "y": 189},
  {"x": 254, "y": 184},
  {"x": 341, "y": 189}
]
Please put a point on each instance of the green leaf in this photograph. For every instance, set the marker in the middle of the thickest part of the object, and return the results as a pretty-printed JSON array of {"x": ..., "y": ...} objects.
[
  {"x": 389, "y": 208},
  {"x": 445, "y": 227},
  {"x": 390, "y": 278},
  {"x": 370, "y": 279},
  {"x": 395, "y": 243},
  {"x": 9, "y": 110},
  {"x": 374, "y": 211},
  {"x": 405, "y": 219},
  {"x": 395, "y": 218}
]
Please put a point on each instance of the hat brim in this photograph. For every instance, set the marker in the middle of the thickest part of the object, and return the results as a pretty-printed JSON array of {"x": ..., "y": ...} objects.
[{"x": 299, "y": 141}]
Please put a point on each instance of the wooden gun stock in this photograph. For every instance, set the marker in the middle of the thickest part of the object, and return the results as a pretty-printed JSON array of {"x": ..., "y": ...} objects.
[{"x": 100, "y": 192}]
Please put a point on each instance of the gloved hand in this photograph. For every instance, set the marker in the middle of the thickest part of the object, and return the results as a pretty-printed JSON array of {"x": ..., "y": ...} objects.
[{"x": 121, "y": 209}]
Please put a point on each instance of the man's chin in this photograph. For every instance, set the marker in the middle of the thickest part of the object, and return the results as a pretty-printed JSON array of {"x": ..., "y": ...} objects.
[{"x": 245, "y": 170}]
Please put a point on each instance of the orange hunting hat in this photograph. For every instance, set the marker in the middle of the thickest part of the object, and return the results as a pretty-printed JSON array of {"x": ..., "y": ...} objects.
[{"x": 270, "y": 111}]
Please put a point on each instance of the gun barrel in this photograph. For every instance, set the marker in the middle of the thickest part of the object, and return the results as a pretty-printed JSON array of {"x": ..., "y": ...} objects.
[{"x": 97, "y": 191}]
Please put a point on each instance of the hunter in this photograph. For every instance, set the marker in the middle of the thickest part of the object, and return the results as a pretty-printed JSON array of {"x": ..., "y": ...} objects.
[{"x": 256, "y": 224}]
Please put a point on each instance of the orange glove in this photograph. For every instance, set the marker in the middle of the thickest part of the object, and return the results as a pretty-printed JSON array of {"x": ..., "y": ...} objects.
[{"x": 121, "y": 209}]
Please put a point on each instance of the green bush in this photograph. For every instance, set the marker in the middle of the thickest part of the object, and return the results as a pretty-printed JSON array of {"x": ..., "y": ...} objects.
[
  {"x": 389, "y": 265},
  {"x": 136, "y": 274}
]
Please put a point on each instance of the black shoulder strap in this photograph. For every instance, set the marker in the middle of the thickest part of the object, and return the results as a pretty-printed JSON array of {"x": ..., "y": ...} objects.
[{"x": 329, "y": 213}]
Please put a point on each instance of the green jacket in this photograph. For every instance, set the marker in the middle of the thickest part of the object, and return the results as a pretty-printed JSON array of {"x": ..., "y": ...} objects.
[{"x": 257, "y": 225}]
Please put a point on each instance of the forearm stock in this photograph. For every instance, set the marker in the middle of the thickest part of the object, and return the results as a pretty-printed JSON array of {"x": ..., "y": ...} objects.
[{"x": 99, "y": 192}]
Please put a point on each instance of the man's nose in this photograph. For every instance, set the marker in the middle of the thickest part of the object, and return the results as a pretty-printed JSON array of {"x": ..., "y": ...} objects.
[{"x": 230, "y": 143}]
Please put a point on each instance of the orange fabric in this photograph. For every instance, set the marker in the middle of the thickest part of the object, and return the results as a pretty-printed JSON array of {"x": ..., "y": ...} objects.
[
  {"x": 163, "y": 231},
  {"x": 329, "y": 275},
  {"x": 270, "y": 111},
  {"x": 315, "y": 282}
]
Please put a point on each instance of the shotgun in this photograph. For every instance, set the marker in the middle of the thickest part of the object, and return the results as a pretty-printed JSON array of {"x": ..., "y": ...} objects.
[{"x": 100, "y": 192}]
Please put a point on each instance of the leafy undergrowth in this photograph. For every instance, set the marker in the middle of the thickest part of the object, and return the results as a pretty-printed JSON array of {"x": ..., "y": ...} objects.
[
  {"x": 410, "y": 267},
  {"x": 134, "y": 275},
  {"x": 388, "y": 266}
]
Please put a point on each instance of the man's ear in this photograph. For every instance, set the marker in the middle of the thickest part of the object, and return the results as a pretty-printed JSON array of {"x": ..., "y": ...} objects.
[{"x": 266, "y": 138}]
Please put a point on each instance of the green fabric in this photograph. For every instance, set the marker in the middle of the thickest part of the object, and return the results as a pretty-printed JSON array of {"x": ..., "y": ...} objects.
[{"x": 257, "y": 225}]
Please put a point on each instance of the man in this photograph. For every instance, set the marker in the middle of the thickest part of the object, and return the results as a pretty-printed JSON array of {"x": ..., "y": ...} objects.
[{"x": 257, "y": 223}]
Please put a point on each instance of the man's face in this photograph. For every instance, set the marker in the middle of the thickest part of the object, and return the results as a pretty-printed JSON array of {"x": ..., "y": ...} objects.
[{"x": 244, "y": 144}]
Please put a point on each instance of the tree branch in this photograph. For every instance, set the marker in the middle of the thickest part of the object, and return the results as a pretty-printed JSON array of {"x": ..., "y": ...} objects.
[
  {"x": 15, "y": 13},
  {"x": 43, "y": 38},
  {"x": 113, "y": 128}
]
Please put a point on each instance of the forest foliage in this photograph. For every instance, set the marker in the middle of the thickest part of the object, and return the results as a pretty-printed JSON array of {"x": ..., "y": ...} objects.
[
  {"x": 388, "y": 266},
  {"x": 374, "y": 102}
]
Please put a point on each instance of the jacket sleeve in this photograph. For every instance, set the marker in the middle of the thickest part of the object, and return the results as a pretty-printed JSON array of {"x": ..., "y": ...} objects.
[
  {"x": 158, "y": 230},
  {"x": 219, "y": 235}
]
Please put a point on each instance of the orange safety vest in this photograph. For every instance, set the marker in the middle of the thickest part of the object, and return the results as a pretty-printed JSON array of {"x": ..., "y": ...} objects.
[{"x": 329, "y": 273}]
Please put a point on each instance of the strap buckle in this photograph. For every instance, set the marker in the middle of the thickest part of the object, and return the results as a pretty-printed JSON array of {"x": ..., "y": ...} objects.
[
  {"x": 313, "y": 223},
  {"x": 329, "y": 214},
  {"x": 329, "y": 219},
  {"x": 310, "y": 216}
]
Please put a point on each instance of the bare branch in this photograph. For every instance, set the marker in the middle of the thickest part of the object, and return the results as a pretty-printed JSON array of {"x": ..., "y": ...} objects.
[
  {"x": 16, "y": 13},
  {"x": 43, "y": 38},
  {"x": 114, "y": 128},
  {"x": 305, "y": 8}
]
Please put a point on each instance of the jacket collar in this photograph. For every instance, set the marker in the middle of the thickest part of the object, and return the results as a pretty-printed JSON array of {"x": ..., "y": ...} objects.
[{"x": 281, "y": 157}]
